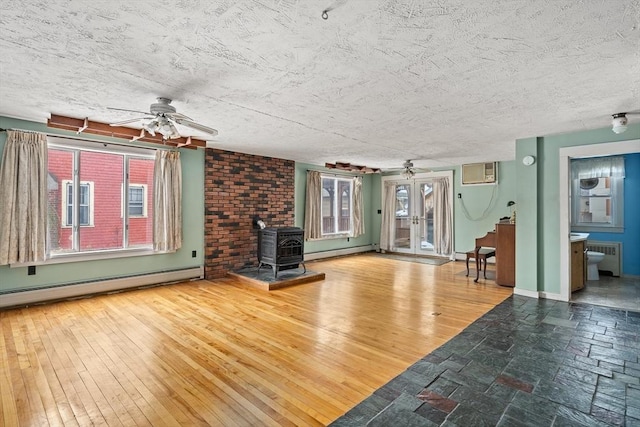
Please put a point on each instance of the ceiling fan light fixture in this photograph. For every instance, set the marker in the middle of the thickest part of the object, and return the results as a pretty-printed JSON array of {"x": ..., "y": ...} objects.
[
  {"x": 151, "y": 127},
  {"x": 408, "y": 172},
  {"x": 619, "y": 122}
]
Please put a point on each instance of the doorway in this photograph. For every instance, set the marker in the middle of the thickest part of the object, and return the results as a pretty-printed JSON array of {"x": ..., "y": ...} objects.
[
  {"x": 565, "y": 156},
  {"x": 414, "y": 217},
  {"x": 414, "y": 212}
]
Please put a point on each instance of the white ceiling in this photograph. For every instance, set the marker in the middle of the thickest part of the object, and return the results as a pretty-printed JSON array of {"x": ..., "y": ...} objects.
[{"x": 445, "y": 82}]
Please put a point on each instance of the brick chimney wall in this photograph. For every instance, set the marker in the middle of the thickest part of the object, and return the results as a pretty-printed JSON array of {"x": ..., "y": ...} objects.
[{"x": 237, "y": 188}]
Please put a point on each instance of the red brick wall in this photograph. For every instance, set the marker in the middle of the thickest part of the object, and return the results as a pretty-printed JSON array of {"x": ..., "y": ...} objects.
[{"x": 237, "y": 188}]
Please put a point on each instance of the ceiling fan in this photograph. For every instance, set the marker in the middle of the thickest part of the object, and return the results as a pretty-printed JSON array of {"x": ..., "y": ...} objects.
[
  {"x": 162, "y": 118},
  {"x": 407, "y": 170}
]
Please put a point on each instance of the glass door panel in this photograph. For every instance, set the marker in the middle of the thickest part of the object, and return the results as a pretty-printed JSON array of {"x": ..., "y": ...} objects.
[{"x": 403, "y": 222}]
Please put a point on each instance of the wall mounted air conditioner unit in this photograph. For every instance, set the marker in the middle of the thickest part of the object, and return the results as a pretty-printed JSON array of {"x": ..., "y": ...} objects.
[{"x": 480, "y": 173}]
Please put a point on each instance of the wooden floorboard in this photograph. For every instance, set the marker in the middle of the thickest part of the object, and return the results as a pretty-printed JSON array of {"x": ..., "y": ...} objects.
[{"x": 226, "y": 354}]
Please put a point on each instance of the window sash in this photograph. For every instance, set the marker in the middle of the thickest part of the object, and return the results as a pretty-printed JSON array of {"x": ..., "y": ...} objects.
[
  {"x": 82, "y": 193},
  {"x": 337, "y": 206}
]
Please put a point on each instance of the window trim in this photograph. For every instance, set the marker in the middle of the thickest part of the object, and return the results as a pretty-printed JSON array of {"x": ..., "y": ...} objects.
[
  {"x": 75, "y": 146},
  {"x": 338, "y": 207}
]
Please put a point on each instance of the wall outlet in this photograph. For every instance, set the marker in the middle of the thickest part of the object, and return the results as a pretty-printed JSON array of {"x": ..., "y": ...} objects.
[
  {"x": 459, "y": 195},
  {"x": 193, "y": 254},
  {"x": 31, "y": 270}
]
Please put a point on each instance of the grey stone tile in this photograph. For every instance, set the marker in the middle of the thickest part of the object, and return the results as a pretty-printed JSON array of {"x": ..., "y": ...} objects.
[
  {"x": 612, "y": 354},
  {"x": 528, "y": 418},
  {"x": 578, "y": 364},
  {"x": 361, "y": 413},
  {"x": 611, "y": 387},
  {"x": 501, "y": 392},
  {"x": 577, "y": 375},
  {"x": 482, "y": 373},
  {"x": 607, "y": 416},
  {"x": 464, "y": 380},
  {"x": 565, "y": 395},
  {"x": 542, "y": 407},
  {"x": 398, "y": 415},
  {"x": 634, "y": 413},
  {"x": 611, "y": 403},
  {"x": 443, "y": 387},
  {"x": 466, "y": 416},
  {"x": 570, "y": 417},
  {"x": 560, "y": 322},
  {"x": 432, "y": 414},
  {"x": 479, "y": 401},
  {"x": 626, "y": 378}
]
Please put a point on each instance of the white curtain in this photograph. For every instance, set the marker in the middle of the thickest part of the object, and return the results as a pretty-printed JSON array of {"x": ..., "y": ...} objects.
[
  {"x": 167, "y": 201},
  {"x": 313, "y": 206},
  {"x": 23, "y": 198},
  {"x": 598, "y": 167},
  {"x": 358, "y": 208},
  {"x": 388, "y": 226},
  {"x": 442, "y": 217}
]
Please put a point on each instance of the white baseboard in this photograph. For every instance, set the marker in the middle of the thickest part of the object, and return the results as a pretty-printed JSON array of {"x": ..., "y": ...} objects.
[
  {"x": 526, "y": 293},
  {"x": 70, "y": 291},
  {"x": 339, "y": 252},
  {"x": 549, "y": 295}
]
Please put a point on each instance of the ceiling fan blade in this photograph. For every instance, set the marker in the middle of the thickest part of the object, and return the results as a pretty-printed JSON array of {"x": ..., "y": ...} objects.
[
  {"x": 130, "y": 111},
  {"x": 178, "y": 116},
  {"x": 124, "y": 122},
  {"x": 197, "y": 126}
]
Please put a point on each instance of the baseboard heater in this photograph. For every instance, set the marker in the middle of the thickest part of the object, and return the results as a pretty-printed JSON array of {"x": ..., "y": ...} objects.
[
  {"x": 612, "y": 255},
  {"x": 338, "y": 252},
  {"x": 58, "y": 292}
]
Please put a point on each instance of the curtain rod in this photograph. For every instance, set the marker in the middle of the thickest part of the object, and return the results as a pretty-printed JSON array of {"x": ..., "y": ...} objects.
[{"x": 78, "y": 138}]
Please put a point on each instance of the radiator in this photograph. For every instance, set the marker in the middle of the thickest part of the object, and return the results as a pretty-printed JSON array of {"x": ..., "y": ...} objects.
[{"x": 612, "y": 254}]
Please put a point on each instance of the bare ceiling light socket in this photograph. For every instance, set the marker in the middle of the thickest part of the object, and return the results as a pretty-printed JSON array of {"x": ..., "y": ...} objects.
[
  {"x": 325, "y": 15},
  {"x": 619, "y": 122}
]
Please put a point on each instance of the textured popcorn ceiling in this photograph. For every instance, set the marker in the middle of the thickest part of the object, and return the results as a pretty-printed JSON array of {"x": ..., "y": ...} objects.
[{"x": 381, "y": 81}]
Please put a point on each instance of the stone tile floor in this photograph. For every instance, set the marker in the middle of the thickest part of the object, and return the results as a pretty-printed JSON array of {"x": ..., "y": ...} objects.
[
  {"x": 527, "y": 362},
  {"x": 619, "y": 292}
]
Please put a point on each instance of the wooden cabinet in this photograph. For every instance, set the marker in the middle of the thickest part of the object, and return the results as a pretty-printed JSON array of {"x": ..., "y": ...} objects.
[
  {"x": 578, "y": 265},
  {"x": 506, "y": 254}
]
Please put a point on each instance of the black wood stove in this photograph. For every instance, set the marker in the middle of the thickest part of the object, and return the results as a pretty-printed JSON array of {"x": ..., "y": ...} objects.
[{"x": 282, "y": 248}]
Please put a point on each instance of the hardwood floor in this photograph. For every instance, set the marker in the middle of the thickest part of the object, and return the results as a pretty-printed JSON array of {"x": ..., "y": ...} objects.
[{"x": 224, "y": 354}]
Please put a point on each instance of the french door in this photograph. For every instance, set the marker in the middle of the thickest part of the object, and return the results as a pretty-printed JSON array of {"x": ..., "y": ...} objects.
[{"x": 413, "y": 225}]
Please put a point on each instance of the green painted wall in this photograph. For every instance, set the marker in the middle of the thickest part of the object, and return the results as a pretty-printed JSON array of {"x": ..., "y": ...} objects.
[
  {"x": 372, "y": 229},
  {"x": 538, "y": 259},
  {"x": 477, "y": 200},
  {"x": 13, "y": 279}
]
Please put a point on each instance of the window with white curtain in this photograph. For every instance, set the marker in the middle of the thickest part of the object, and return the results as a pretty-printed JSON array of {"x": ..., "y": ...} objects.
[{"x": 597, "y": 194}]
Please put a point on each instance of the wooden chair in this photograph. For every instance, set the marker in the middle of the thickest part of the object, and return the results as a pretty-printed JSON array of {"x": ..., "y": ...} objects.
[{"x": 483, "y": 254}]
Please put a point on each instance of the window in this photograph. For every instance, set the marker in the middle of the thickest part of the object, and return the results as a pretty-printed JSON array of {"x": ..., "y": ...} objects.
[
  {"x": 84, "y": 202},
  {"x": 137, "y": 200},
  {"x": 86, "y": 188},
  {"x": 597, "y": 201},
  {"x": 337, "y": 206}
]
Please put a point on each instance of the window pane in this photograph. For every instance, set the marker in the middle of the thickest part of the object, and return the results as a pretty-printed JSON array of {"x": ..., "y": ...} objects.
[
  {"x": 101, "y": 203},
  {"x": 328, "y": 218},
  {"x": 344, "y": 188},
  {"x": 60, "y": 165},
  {"x": 141, "y": 210}
]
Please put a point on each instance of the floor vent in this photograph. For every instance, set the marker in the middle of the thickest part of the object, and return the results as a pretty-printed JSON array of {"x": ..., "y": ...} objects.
[{"x": 612, "y": 254}]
